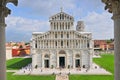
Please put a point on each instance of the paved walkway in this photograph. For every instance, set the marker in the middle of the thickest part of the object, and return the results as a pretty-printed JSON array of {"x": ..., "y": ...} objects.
[
  {"x": 95, "y": 70},
  {"x": 12, "y": 71},
  {"x": 62, "y": 77}
]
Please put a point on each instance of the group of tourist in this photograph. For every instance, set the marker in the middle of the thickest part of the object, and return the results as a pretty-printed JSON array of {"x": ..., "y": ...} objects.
[{"x": 27, "y": 69}]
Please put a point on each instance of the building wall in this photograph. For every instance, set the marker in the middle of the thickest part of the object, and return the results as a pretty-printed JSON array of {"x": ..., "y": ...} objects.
[
  {"x": 62, "y": 41},
  {"x": 70, "y": 57},
  {"x": 8, "y": 53}
]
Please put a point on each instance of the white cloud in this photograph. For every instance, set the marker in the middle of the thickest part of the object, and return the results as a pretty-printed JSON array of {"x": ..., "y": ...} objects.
[
  {"x": 20, "y": 29},
  {"x": 101, "y": 25},
  {"x": 46, "y": 7},
  {"x": 39, "y": 11},
  {"x": 26, "y": 25}
]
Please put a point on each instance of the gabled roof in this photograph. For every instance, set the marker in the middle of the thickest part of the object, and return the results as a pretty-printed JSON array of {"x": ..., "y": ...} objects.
[
  {"x": 38, "y": 32},
  {"x": 62, "y": 16}
]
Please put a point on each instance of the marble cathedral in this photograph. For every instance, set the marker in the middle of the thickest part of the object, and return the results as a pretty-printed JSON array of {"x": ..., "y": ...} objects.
[{"x": 62, "y": 46}]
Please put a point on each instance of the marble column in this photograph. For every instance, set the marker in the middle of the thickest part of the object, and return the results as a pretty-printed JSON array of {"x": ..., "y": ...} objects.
[
  {"x": 57, "y": 59},
  {"x": 117, "y": 47},
  {"x": 2, "y": 52},
  {"x": 4, "y": 11},
  {"x": 73, "y": 60},
  {"x": 113, "y": 6},
  {"x": 42, "y": 60}
]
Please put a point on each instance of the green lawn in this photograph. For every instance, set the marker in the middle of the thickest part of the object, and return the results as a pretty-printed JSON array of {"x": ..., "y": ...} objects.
[
  {"x": 91, "y": 77},
  {"x": 107, "y": 62},
  {"x": 29, "y": 77},
  {"x": 17, "y": 63}
]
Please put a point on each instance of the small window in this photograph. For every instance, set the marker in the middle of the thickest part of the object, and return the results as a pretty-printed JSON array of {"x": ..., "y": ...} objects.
[
  {"x": 71, "y": 23},
  {"x": 60, "y": 26},
  {"x": 55, "y": 35},
  {"x": 76, "y": 44},
  {"x": 45, "y": 36},
  {"x": 36, "y": 44},
  {"x": 62, "y": 35},
  {"x": 67, "y": 43},
  {"x": 60, "y": 16},
  {"x": 56, "y": 43},
  {"x": 68, "y": 26},
  {"x": 67, "y": 35},
  {"x": 51, "y": 23},
  {"x": 61, "y": 43},
  {"x": 55, "y": 18},
  {"x": 54, "y": 26},
  {"x": 88, "y": 45},
  {"x": 46, "y": 44}
]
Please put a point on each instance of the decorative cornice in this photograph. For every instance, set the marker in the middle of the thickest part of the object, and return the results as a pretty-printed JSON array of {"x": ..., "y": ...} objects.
[{"x": 113, "y": 6}]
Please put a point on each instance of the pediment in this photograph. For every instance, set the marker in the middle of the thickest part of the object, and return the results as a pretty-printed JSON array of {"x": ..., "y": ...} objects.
[{"x": 62, "y": 16}]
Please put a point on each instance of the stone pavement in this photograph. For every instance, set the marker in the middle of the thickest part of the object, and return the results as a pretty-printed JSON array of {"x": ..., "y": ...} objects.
[
  {"x": 12, "y": 71},
  {"x": 62, "y": 77},
  {"x": 95, "y": 70}
]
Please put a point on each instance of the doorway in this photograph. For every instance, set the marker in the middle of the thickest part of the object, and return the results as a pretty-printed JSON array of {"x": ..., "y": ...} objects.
[
  {"x": 77, "y": 63},
  {"x": 46, "y": 63},
  {"x": 62, "y": 62}
]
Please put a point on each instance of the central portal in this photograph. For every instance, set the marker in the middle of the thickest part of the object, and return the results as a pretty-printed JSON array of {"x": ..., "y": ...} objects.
[
  {"x": 62, "y": 62},
  {"x": 46, "y": 63}
]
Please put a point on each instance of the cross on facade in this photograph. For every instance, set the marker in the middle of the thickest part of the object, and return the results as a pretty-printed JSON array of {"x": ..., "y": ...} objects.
[{"x": 61, "y": 9}]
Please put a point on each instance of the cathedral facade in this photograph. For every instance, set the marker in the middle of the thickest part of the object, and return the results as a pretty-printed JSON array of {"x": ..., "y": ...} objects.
[{"x": 62, "y": 46}]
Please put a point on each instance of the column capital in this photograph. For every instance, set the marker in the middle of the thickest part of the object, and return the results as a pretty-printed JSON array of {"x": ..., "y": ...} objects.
[
  {"x": 4, "y": 11},
  {"x": 113, "y": 6},
  {"x": 2, "y": 25}
]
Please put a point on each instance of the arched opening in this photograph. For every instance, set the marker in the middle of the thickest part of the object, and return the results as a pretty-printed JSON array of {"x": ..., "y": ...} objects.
[
  {"x": 77, "y": 60},
  {"x": 62, "y": 59},
  {"x": 46, "y": 61},
  {"x": 62, "y": 52}
]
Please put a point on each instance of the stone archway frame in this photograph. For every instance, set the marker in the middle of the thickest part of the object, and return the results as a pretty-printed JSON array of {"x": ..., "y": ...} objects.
[
  {"x": 60, "y": 54},
  {"x": 44, "y": 52},
  {"x": 117, "y": 39},
  {"x": 113, "y": 6},
  {"x": 46, "y": 57},
  {"x": 78, "y": 56}
]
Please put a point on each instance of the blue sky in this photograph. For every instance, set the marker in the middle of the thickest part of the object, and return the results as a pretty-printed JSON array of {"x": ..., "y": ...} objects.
[{"x": 33, "y": 15}]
